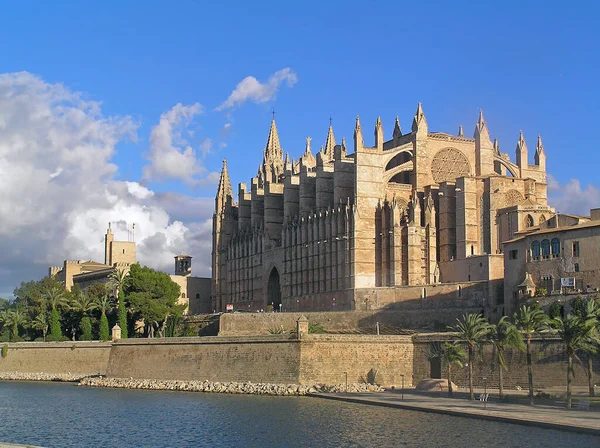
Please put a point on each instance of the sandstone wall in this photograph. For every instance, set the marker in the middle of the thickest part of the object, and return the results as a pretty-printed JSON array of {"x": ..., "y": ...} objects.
[
  {"x": 382, "y": 359},
  {"x": 549, "y": 365},
  {"x": 87, "y": 358},
  {"x": 362, "y": 322},
  {"x": 271, "y": 359}
]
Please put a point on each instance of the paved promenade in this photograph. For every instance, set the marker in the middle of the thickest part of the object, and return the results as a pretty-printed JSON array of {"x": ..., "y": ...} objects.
[{"x": 582, "y": 421}]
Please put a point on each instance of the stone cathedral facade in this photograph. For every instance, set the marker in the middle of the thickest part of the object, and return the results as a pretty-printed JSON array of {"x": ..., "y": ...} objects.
[{"x": 419, "y": 218}]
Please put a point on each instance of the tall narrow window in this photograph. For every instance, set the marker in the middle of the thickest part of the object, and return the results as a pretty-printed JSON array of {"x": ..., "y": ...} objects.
[
  {"x": 545, "y": 249},
  {"x": 529, "y": 221},
  {"x": 576, "y": 267},
  {"x": 535, "y": 250},
  {"x": 575, "y": 248},
  {"x": 555, "y": 247}
]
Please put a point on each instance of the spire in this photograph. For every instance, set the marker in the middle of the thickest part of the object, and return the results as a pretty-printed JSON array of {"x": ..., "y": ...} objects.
[
  {"x": 496, "y": 146},
  {"x": 273, "y": 147},
  {"x": 330, "y": 143},
  {"x": 540, "y": 155},
  {"x": 419, "y": 121},
  {"x": 481, "y": 129},
  {"x": 108, "y": 231},
  {"x": 521, "y": 152},
  {"x": 307, "y": 159},
  {"x": 224, "y": 189},
  {"x": 379, "y": 134},
  {"x": 539, "y": 147},
  {"x": 358, "y": 137},
  {"x": 397, "y": 128}
]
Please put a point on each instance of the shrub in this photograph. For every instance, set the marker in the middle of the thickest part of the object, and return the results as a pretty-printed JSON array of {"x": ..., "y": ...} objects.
[
  {"x": 4, "y": 350},
  {"x": 316, "y": 328},
  {"x": 541, "y": 292},
  {"x": 85, "y": 326},
  {"x": 556, "y": 310},
  {"x": 279, "y": 330},
  {"x": 122, "y": 315}
]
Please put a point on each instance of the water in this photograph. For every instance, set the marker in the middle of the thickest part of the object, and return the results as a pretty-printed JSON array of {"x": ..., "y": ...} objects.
[{"x": 63, "y": 415}]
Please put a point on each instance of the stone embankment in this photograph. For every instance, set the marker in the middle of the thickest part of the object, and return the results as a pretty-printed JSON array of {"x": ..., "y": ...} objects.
[
  {"x": 25, "y": 376},
  {"x": 226, "y": 387}
]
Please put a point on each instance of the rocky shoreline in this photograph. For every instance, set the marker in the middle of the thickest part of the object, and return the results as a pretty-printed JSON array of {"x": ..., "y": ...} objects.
[
  {"x": 229, "y": 387},
  {"x": 24, "y": 376}
]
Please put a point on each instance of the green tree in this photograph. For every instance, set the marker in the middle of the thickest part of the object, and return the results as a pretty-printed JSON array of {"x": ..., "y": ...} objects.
[
  {"x": 55, "y": 298},
  {"x": 118, "y": 280},
  {"x": 40, "y": 323},
  {"x": 556, "y": 310},
  {"x": 104, "y": 304},
  {"x": 530, "y": 320},
  {"x": 83, "y": 304},
  {"x": 504, "y": 335},
  {"x": 450, "y": 354},
  {"x": 152, "y": 297},
  {"x": 589, "y": 311},
  {"x": 16, "y": 318},
  {"x": 576, "y": 333},
  {"x": 473, "y": 331}
]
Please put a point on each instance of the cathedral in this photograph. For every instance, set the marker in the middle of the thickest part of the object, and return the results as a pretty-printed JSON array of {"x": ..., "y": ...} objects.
[{"x": 419, "y": 217}]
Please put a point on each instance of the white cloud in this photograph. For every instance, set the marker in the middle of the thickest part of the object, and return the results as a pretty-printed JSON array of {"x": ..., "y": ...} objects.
[
  {"x": 206, "y": 146},
  {"x": 59, "y": 191},
  {"x": 225, "y": 129},
  {"x": 571, "y": 197},
  {"x": 250, "y": 89},
  {"x": 170, "y": 155}
]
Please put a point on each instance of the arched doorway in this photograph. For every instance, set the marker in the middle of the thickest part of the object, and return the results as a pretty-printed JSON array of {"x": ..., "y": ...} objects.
[{"x": 274, "y": 290}]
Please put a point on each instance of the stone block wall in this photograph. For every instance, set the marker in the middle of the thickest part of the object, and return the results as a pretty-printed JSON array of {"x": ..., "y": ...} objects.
[
  {"x": 86, "y": 358},
  {"x": 272, "y": 359},
  {"x": 382, "y": 359}
]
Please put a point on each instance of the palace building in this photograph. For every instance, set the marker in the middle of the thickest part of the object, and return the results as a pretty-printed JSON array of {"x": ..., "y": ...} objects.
[{"x": 418, "y": 218}]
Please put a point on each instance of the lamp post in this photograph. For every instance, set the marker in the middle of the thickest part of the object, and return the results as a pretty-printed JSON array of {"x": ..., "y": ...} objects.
[
  {"x": 402, "y": 392},
  {"x": 484, "y": 392}
]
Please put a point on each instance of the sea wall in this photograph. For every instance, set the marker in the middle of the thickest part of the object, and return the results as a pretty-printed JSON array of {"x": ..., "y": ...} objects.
[
  {"x": 335, "y": 359},
  {"x": 549, "y": 364},
  {"x": 270, "y": 359},
  {"x": 60, "y": 358}
]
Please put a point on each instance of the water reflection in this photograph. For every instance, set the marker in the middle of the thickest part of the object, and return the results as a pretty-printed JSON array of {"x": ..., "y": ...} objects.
[{"x": 62, "y": 415}]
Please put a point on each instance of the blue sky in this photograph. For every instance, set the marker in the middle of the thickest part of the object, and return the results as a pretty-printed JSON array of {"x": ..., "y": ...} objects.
[{"x": 528, "y": 65}]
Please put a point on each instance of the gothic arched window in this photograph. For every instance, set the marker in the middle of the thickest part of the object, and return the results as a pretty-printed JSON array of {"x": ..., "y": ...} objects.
[
  {"x": 555, "y": 247},
  {"x": 545, "y": 249},
  {"x": 535, "y": 250},
  {"x": 529, "y": 221}
]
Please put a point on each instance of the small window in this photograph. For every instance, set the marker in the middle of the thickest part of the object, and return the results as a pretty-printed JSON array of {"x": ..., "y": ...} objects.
[
  {"x": 513, "y": 254},
  {"x": 576, "y": 267},
  {"x": 545, "y": 249},
  {"x": 515, "y": 294},
  {"x": 555, "y": 247},
  {"x": 183, "y": 295},
  {"x": 472, "y": 250},
  {"x": 535, "y": 250},
  {"x": 469, "y": 277},
  {"x": 123, "y": 250},
  {"x": 197, "y": 295},
  {"x": 575, "y": 248}
]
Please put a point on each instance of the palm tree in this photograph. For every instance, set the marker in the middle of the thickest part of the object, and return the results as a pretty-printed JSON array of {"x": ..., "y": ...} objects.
[
  {"x": 576, "y": 333},
  {"x": 451, "y": 354},
  {"x": 473, "y": 331},
  {"x": 84, "y": 304},
  {"x": 16, "y": 318},
  {"x": 504, "y": 335},
  {"x": 4, "y": 317},
  {"x": 117, "y": 280},
  {"x": 55, "y": 297},
  {"x": 530, "y": 320},
  {"x": 590, "y": 310},
  {"x": 41, "y": 323}
]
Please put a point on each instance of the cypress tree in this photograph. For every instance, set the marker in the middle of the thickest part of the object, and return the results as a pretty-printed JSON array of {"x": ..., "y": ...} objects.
[
  {"x": 104, "y": 332},
  {"x": 85, "y": 326},
  {"x": 122, "y": 315},
  {"x": 55, "y": 331}
]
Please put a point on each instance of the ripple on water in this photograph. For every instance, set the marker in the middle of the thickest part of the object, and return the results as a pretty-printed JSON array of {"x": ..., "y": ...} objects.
[{"x": 62, "y": 415}]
